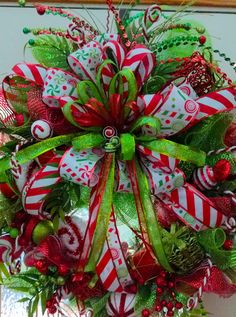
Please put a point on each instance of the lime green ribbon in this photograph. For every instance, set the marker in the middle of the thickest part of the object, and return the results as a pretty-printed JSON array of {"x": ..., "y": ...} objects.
[
  {"x": 35, "y": 150},
  {"x": 153, "y": 227},
  {"x": 103, "y": 220},
  {"x": 212, "y": 240}
]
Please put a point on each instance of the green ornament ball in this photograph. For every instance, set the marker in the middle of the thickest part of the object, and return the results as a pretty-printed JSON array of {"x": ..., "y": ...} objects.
[
  {"x": 43, "y": 229},
  {"x": 26, "y": 30},
  {"x": 13, "y": 233},
  {"x": 31, "y": 42},
  {"x": 21, "y": 3}
]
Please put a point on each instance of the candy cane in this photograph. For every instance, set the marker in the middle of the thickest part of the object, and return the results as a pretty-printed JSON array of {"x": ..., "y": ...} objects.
[{"x": 194, "y": 300}]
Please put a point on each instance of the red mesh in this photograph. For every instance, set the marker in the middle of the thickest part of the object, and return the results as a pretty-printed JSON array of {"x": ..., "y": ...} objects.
[
  {"x": 39, "y": 110},
  {"x": 218, "y": 282}
]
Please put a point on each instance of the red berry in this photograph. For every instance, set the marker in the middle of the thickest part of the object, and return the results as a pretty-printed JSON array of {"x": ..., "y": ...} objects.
[
  {"x": 41, "y": 10},
  {"x": 170, "y": 305},
  {"x": 158, "y": 308},
  {"x": 160, "y": 281},
  {"x": 163, "y": 274},
  {"x": 171, "y": 284},
  {"x": 163, "y": 303},
  {"x": 178, "y": 305},
  {"x": 20, "y": 119},
  {"x": 52, "y": 310},
  {"x": 6, "y": 190},
  {"x": 145, "y": 313},
  {"x": 202, "y": 39},
  {"x": 63, "y": 270},
  {"x": 159, "y": 291},
  {"x": 228, "y": 245},
  {"x": 170, "y": 313}
]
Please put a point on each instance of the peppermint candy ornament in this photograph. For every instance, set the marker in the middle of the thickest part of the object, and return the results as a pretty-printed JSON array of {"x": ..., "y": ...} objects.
[
  {"x": 41, "y": 129},
  {"x": 207, "y": 177},
  {"x": 71, "y": 232},
  {"x": 121, "y": 304},
  {"x": 8, "y": 249}
]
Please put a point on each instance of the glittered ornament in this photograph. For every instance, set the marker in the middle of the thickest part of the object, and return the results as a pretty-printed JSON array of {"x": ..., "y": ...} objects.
[
  {"x": 121, "y": 304},
  {"x": 207, "y": 177},
  {"x": 41, "y": 129},
  {"x": 43, "y": 229}
]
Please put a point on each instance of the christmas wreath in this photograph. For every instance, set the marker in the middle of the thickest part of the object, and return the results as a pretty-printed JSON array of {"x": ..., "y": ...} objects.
[{"x": 117, "y": 168}]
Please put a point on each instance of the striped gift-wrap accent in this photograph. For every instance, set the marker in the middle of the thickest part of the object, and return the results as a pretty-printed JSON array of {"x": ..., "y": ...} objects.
[
  {"x": 217, "y": 101},
  {"x": 32, "y": 72},
  {"x": 111, "y": 268},
  {"x": 141, "y": 61},
  {"x": 39, "y": 186},
  {"x": 188, "y": 199},
  {"x": 161, "y": 161},
  {"x": 121, "y": 305}
]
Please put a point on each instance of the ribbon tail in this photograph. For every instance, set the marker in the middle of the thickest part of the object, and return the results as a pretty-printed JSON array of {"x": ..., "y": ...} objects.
[
  {"x": 99, "y": 215},
  {"x": 147, "y": 217}
]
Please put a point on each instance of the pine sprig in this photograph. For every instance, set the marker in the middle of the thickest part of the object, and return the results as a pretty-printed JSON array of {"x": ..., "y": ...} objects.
[{"x": 52, "y": 51}]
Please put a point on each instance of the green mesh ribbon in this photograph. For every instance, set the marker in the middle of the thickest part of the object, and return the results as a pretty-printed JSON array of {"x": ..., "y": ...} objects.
[{"x": 212, "y": 241}]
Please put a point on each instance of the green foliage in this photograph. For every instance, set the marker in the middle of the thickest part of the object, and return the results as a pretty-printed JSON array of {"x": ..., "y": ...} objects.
[
  {"x": 160, "y": 76},
  {"x": 37, "y": 288},
  {"x": 8, "y": 209},
  {"x": 52, "y": 51},
  {"x": 23, "y": 131}
]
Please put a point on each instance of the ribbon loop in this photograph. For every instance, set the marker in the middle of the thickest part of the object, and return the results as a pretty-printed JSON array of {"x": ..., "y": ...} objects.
[{"x": 127, "y": 143}]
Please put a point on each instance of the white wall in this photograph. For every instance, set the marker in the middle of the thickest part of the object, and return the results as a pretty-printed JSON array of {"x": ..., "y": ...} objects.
[{"x": 221, "y": 25}]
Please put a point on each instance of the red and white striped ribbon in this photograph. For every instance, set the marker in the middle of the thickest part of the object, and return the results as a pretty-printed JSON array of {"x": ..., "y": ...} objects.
[
  {"x": 111, "y": 268},
  {"x": 39, "y": 186},
  {"x": 215, "y": 102}
]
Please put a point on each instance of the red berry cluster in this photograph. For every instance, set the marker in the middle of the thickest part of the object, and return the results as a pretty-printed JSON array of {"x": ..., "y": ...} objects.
[
  {"x": 166, "y": 301},
  {"x": 51, "y": 305}
]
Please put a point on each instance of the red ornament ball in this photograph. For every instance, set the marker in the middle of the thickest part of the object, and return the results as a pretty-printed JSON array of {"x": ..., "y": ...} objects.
[
  {"x": 202, "y": 39},
  {"x": 145, "y": 312},
  {"x": 6, "y": 190},
  {"x": 228, "y": 245},
  {"x": 41, "y": 10}
]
